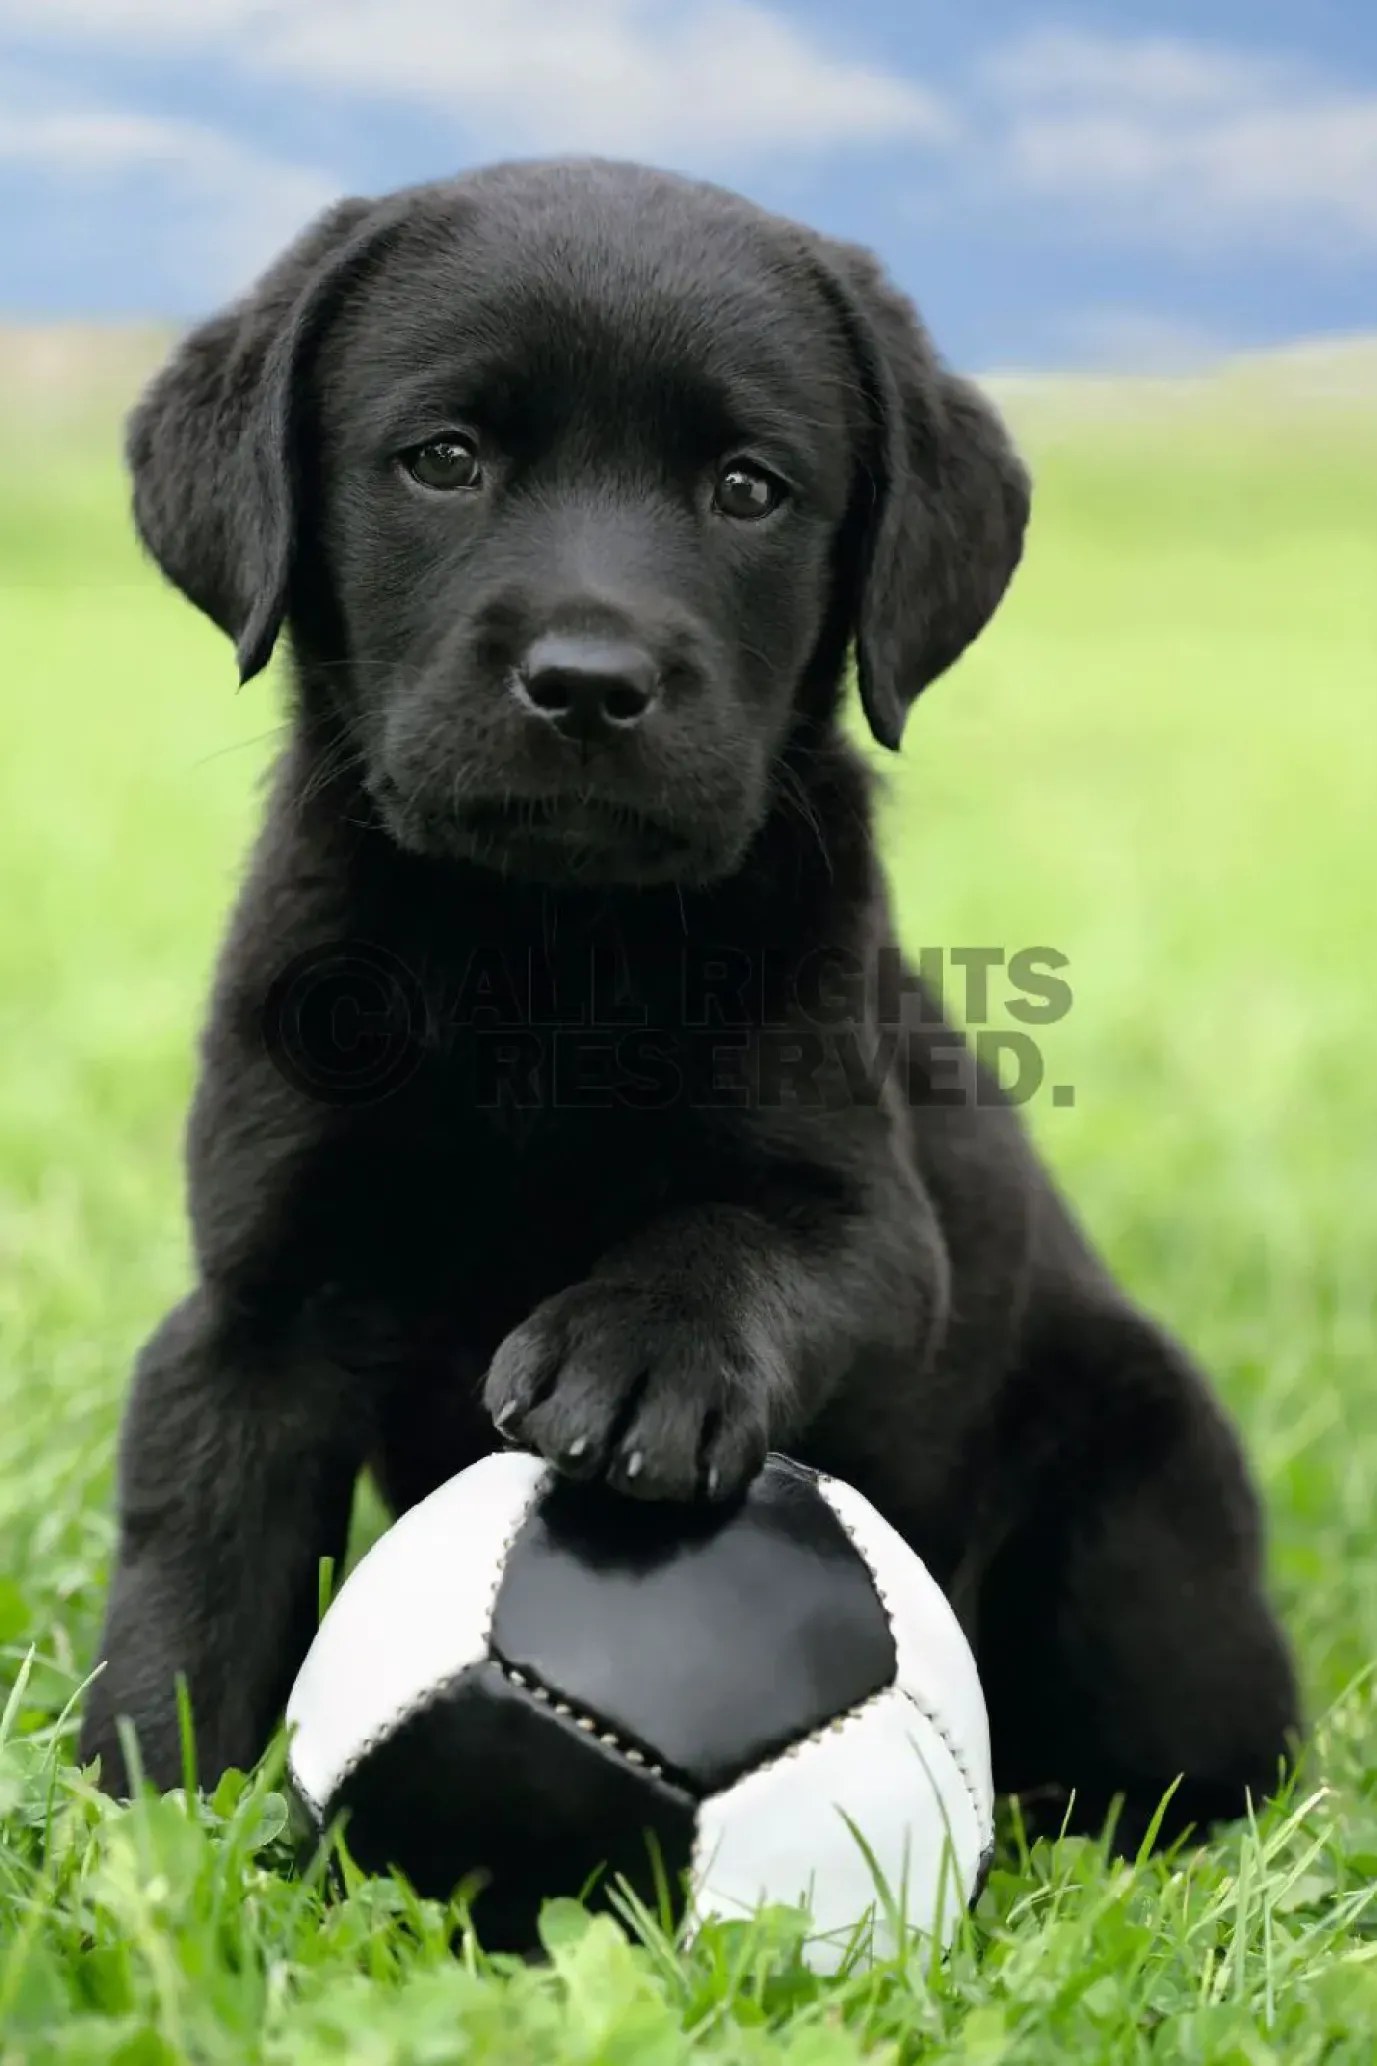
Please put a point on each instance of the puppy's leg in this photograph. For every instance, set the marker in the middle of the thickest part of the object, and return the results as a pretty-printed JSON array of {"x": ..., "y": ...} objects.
[
  {"x": 716, "y": 1334},
  {"x": 237, "y": 1464},
  {"x": 1124, "y": 1636}
]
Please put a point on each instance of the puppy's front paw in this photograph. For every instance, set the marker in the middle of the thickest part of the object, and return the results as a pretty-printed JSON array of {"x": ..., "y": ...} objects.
[{"x": 616, "y": 1381}]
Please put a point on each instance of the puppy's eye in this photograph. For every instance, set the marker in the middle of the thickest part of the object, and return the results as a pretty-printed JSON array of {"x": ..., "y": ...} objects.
[
  {"x": 746, "y": 491},
  {"x": 450, "y": 462}
]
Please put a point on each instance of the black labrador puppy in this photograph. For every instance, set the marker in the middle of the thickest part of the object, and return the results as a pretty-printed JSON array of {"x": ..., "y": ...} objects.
[{"x": 545, "y": 1092}]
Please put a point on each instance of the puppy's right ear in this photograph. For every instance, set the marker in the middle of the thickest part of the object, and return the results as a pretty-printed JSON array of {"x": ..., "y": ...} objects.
[
  {"x": 210, "y": 442},
  {"x": 944, "y": 498}
]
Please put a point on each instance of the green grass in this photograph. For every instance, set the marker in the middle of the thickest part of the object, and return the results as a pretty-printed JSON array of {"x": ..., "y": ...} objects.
[{"x": 1161, "y": 761}]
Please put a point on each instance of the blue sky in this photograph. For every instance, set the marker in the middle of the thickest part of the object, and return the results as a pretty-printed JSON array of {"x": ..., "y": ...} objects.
[{"x": 1116, "y": 184}]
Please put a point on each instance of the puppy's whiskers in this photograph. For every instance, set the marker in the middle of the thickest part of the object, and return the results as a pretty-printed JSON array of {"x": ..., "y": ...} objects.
[
  {"x": 275, "y": 732},
  {"x": 339, "y": 758},
  {"x": 794, "y": 796}
]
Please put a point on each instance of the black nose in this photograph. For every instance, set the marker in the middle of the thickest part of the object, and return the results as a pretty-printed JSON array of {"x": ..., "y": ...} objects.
[{"x": 587, "y": 686}]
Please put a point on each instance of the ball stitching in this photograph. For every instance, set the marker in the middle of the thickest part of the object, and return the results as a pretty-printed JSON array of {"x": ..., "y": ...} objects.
[
  {"x": 943, "y": 1734},
  {"x": 518, "y": 1523},
  {"x": 936, "y": 1722},
  {"x": 304, "y": 1794},
  {"x": 591, "y": 1725},
  {"x": 835, "y": 1727},
  {"x": 423, "y": 1699}
]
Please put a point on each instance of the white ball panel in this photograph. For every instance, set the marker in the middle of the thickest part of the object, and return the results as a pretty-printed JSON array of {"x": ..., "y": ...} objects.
[
  {"x": 935, "y": 1662},
  {"x": 415, "y": 1610},
  {"x": 779, "y": 1835}
]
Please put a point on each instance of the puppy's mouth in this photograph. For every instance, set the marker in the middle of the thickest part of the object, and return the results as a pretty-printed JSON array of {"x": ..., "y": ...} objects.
[
  {"x": 574, "y": 840},
  {"x": 585, "y": 840}
]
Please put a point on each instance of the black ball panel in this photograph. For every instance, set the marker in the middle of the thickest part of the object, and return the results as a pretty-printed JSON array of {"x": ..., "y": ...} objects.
[
  {"x": 486, "y": 1778},
  {"x": 713, "y": 1640}
]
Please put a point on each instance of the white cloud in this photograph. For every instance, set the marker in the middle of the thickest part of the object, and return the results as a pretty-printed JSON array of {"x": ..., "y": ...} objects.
[
  {"x": 1174, "y": 141},
  {"x": 720, "y": 80},
  {"x": 706, "y": 82},
  {"x": 80, "y": 143},
  {"x": 1157, "y": 141},
  {"x": 211, "y": 210},
  {"x": 163, "y": 22},
  {"x": 710, "y": 85},
  {"x": 1158, "y": 72}
]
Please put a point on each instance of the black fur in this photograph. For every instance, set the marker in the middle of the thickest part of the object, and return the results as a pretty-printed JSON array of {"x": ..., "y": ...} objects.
[{"x": 401, "y": 1236}]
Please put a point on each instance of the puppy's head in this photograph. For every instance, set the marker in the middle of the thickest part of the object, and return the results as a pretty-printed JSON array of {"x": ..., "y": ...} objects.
[{"x": 575, "y": 482}]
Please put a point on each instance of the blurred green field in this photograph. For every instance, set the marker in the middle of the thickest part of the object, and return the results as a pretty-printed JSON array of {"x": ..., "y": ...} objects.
[{"x": 1162, "y": 760}]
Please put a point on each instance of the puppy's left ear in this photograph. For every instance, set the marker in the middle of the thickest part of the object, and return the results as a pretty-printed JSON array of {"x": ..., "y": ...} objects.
[
  {"x": 209, "y": 444},
  {"x": 942, "y": 503}
]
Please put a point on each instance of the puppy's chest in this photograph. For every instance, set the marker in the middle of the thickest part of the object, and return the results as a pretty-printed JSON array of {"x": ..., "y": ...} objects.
[
  {"x": 540, "y": 1118},
  {"x": 440, "y": 1235},
  {"x": 534, "y": 1049}
]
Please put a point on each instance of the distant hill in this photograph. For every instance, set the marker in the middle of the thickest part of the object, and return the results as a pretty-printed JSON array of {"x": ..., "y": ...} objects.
[
  {"x": 72, "y": 373},
  {"x": 57, "y": 372},
  {"x": 1340, "y": 372}
]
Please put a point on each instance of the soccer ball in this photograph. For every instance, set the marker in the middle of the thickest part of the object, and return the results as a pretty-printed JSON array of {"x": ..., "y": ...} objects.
[{"x": 546, "y": 1689}]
